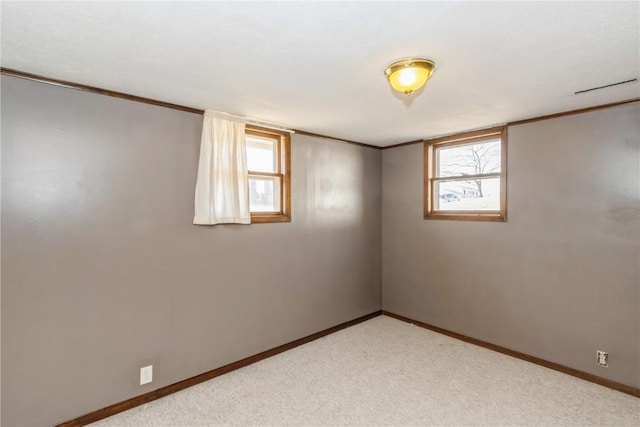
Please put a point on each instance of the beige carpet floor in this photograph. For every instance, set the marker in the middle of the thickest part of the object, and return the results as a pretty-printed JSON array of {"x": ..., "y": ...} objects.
[{"x": 387, "y": 372}]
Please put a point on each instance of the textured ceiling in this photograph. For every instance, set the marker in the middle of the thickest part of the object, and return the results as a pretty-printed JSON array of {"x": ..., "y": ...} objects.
[{"x": 318, "y": 66}]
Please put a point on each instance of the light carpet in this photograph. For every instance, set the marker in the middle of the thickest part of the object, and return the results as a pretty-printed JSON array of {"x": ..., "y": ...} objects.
[{"x": 387, "y": 372}]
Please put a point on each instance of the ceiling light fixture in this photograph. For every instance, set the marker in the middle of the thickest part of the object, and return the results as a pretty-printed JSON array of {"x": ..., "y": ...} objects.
[{"x": 408, "y": 75}]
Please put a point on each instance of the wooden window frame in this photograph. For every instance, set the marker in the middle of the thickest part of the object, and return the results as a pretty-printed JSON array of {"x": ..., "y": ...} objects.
[
  {"x": 283, "y": 171},
  {"x": 430, "y": 167}
]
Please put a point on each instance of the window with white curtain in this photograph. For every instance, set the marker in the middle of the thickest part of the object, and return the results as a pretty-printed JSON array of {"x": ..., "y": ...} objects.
[{"x": 269, "y": 165}]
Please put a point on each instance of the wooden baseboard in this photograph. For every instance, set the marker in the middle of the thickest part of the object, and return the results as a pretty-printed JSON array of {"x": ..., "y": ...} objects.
[
  {"x": 518, "y": 355},
  {"x": 173, "y": 388},
  {"x": 164, "y": 391}
]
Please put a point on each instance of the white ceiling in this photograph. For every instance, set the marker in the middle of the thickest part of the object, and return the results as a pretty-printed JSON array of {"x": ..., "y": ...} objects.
[{"x": 318, "y": 66}]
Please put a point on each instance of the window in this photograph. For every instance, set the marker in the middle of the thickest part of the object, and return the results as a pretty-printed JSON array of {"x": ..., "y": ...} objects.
[
  {"x": 269, "y": 164},
  {"x": 465, "y": 176}
]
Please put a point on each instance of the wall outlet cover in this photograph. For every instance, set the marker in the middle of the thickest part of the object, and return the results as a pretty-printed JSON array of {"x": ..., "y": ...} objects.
[
  {"x": 603, "y": 358},
  {"x": 146, "y": 375}
]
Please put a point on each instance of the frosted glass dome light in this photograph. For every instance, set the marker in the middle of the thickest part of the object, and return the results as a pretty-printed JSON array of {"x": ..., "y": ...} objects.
[{"x": 408, "y": 75}]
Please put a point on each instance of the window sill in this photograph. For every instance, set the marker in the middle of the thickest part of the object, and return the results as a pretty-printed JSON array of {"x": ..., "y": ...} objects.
[
  {"x": 468, "y": 216},
  {"x": 266, "y": 218}
]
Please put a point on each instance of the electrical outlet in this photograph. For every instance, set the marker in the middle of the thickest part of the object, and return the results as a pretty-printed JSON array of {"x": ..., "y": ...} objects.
[
  {"x": 603, "y": 358},
  {"x": 146, "y": 375}
]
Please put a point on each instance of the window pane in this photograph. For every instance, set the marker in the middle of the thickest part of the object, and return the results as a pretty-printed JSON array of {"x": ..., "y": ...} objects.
[
  {"x": 264, "y": 193},
  {"x": 471, "y": 159},
  {"x": 474, "y": 195},
  {"x": 262, "y": 154}
]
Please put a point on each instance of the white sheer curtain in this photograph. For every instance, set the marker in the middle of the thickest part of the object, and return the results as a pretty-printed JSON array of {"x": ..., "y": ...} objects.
[{"x": 222, "y": 187}]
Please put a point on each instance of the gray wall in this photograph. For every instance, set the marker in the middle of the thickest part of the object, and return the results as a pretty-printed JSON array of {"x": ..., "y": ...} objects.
[
  {"x": 103, "y": 272},
  {"x": 561, "y": 278}
]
